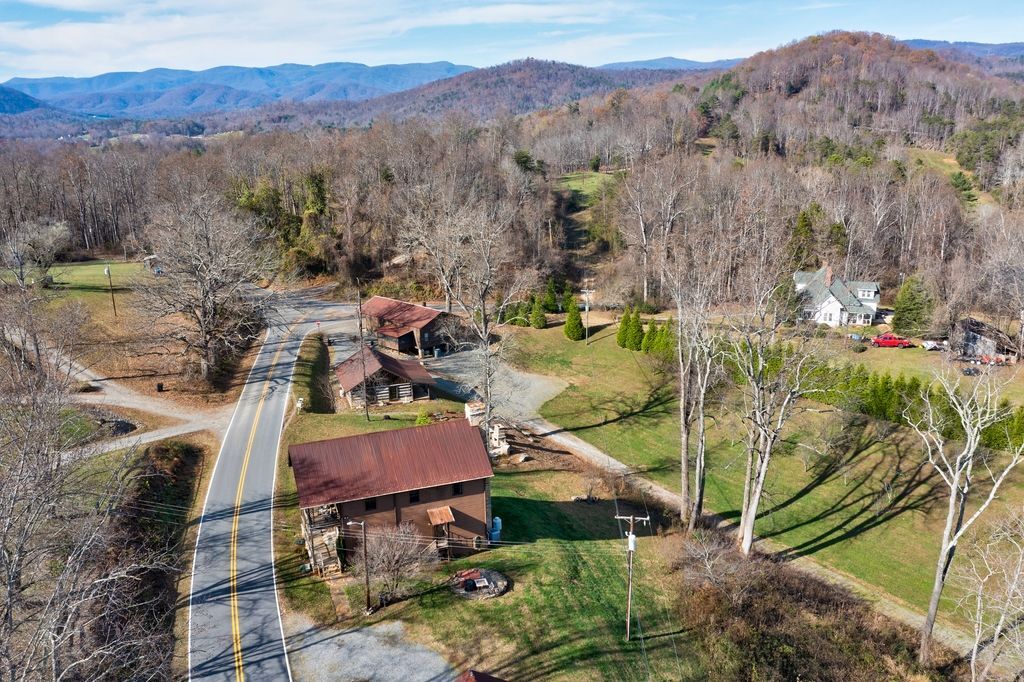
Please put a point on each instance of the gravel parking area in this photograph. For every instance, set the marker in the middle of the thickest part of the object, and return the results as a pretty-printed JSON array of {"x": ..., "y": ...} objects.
[{"x": 379, "y": 653}]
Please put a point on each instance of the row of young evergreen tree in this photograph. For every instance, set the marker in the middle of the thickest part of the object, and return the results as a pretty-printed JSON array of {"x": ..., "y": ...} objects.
[
  {"x": 532, "y": 312},
  {"x": 657, "y": 340},
  {"x": 855, "y": 389}
]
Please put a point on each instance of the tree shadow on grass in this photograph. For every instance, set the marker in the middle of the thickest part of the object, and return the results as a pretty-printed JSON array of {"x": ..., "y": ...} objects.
[
  {"x": 647, "y": 407},
  {"x": 873, "y": 493}
]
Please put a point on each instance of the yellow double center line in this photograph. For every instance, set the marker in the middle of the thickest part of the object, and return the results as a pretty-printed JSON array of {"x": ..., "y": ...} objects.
[{"x": 236, "y": 630}]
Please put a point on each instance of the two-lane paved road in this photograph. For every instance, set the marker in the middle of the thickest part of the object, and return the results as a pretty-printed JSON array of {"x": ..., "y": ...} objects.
[{"x": 234, "y": 624}]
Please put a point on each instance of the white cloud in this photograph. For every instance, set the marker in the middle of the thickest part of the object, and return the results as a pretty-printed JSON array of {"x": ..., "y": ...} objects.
[{"x": 142, "y": 34}]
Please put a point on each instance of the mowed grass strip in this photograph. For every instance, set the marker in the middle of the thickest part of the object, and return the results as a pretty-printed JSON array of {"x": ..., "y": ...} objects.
[{"x": 852, "y": 493}]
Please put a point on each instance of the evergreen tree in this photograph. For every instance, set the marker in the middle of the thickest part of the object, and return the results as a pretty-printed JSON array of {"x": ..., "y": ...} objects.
[
  {"x": 801, "y": 241},
  {"x": 635, "y": 336},
  {"x": 550, "y": 297},
  {"x": 568, "y": 299},
  {"x": 537, "y": 318},
  {"x": 624, "y": 322},
  {"x": 962, "y": 184},
  {"x": 573, "y": 322},
  {"x": 912, "y": 312},
  {"x": 648, "y": 341}
]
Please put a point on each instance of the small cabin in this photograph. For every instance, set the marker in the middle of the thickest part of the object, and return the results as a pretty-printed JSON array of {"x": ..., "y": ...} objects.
[{"x": 382, "y": 379}]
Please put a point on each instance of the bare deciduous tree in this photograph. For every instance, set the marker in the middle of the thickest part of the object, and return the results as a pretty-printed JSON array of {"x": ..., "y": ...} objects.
[
  {"x": 209, "y": 258},
  {"x": 28, "y": 250},
  {"x": 75, "y": 603},
  {"x": 990, "y": 574},
  {"x": 952, "y": 419},
  {"x": 396, "y": 556}
]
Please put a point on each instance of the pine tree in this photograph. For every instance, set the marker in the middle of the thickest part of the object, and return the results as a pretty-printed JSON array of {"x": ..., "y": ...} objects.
[
  {"x": 635, "y": 336},
  {"x": 568, "y": 299},
  {"x": 573, "y": 322},
  {"x": 912, "y": 311},
  {"x": 665, "y": 344},
  {"x": 537, "y": 318},
  {"x": 801, "y": 240},
  {"x": 648, "y": 343},
  {"x": 550, "y": 297},
  {"x": 623, "y": 332}
]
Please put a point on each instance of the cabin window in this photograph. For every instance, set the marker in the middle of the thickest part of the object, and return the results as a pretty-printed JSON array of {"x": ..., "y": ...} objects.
[
  {"x": 456, "y": 489},
  {"x": 370, "y": 504},
  {"x": 414, "y": 497}
]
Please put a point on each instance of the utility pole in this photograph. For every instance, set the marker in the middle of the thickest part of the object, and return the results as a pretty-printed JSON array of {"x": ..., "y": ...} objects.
[
  {"x": 630, "y": 551},
  {"x": 362, "y": 355},
  {"x": 110, "y": 283},
  {"x": 586, "y": 291},
  {"x": 366, "y": 563}
]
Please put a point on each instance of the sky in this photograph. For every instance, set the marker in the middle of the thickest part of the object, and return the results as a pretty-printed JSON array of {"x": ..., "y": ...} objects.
[{"x": 89, "y": 37}]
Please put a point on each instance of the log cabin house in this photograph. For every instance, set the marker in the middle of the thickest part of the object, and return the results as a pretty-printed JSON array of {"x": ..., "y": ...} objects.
[
  {"x": 436, "y": 477},
  {"x": 387, "y": 379}
]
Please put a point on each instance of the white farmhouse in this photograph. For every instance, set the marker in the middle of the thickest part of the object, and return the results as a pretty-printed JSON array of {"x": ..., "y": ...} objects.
[{"x": 826, "y": 299}]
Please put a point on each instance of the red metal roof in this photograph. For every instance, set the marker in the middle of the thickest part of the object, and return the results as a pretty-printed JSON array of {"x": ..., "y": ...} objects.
[
  {"x": 396, "y": 314},
  {"x": 440, "y": 516},
  {"x": 350, "y": 370},
  {"x": 385, "y": 462}
]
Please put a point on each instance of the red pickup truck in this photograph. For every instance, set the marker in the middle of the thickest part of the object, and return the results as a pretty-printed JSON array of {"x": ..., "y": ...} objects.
[{"x": 890, "y": 340}]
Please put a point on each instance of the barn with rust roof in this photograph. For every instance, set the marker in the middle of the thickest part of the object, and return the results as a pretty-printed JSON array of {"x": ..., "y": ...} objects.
[
  {"x": 369, "y": 373},
  {"x": 436, "y": 477},
  {"x": 405, "y": 327}
]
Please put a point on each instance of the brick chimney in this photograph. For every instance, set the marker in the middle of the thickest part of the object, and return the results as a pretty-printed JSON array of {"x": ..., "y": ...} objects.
[{"x": 828, "y": 275}]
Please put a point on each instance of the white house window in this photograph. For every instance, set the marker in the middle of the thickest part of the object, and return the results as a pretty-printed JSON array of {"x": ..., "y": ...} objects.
[
  {"x": 828, "y": 317},
  {"x": 865, "y": 293}
]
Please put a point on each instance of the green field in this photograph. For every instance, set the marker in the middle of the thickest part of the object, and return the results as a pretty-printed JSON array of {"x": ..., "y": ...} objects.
[
  {"x": 587, "y": 184},
  {"x": 868, "y": 509},
  {"x": 88, "y": 276}
]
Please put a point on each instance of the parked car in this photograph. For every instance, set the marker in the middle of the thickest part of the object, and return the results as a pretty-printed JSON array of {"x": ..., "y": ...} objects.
[{"x": 890, "y": 340}]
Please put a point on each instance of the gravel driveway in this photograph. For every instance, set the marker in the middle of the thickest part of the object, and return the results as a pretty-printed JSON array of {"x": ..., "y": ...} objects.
[
  {"x": 517, "y": 395},
  {"x": 379, "y": 653}
]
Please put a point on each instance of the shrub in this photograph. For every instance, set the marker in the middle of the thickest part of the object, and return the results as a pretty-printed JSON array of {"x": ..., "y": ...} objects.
[
  {"x": 422, "y": 419},
  {"x": 859, "y": 347},
  {"x": 649, "y": 336},
  {"x": 821, "y": 331}
]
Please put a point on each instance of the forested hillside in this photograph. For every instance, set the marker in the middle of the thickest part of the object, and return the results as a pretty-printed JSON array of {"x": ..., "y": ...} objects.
[{"x": 849, "y": 130}]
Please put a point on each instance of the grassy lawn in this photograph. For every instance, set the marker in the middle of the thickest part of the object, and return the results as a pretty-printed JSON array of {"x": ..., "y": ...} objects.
[
  {"x": 865, "y": 509},
  {"x": 587, "y": 184},
  {"x": 564, "y": 617},
  {"x": 946, "y": 164}
]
